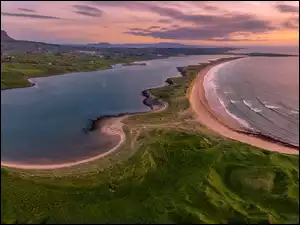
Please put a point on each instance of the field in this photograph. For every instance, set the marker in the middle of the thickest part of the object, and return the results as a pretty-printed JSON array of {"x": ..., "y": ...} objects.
[
  {"x": 169, "y": 170},
  {"x": 15, "y": 71}
]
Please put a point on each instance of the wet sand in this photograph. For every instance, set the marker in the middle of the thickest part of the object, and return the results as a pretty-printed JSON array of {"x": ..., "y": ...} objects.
[{"x": 207, "y": 117}]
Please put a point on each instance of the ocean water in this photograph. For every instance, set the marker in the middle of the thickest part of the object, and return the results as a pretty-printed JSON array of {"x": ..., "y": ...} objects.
[
  {"x": 293, "y": 50},
  {"x": 259, "y": 94},
  {"x": 44, "y": 124}
]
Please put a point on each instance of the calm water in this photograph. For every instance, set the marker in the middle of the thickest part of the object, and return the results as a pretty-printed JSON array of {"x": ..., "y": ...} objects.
[
  {"x": 44, "y": 124},
  {"x": 260, "y": 93}
]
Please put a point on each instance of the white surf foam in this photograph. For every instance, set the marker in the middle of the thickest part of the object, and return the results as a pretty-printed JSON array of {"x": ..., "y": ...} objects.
[
  {"x": 272, "y": 106},
  {"x": 249, "y": 104},
  {"x": 238, "y": 119},
  {"x": 210, "y": 85},
  {"x": 256, "y": 110},
  {"x": 267, "y": 105},
  {"x": 294, "y": 112}
]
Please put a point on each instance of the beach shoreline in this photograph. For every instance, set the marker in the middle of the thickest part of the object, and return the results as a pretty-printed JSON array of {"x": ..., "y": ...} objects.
[
  {"x": 108, "y": 124},
  {"x": 205, "y": 115},
  {"x": 112, "y": 124}
]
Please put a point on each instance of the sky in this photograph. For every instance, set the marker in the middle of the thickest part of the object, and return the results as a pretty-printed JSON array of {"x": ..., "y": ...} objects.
[{"x": 189, "y": 22}]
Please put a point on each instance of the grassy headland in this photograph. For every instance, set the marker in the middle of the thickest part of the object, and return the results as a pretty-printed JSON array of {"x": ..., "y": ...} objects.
[
  {"x": 16, "y": 69},
  {"x": 169, "y": 170}
]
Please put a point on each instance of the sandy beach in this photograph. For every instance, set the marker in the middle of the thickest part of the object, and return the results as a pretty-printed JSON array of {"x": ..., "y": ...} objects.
[{"x": 207, "y": 117}]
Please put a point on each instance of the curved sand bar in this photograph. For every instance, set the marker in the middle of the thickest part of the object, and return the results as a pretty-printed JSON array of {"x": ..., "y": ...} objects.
[
  {"x": 112, "y": 126},
  {"x": 207, "y": 117}
]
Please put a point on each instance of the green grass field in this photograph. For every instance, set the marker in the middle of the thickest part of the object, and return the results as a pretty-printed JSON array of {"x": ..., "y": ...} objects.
[
  {"x": 170, "y": 170},
  {"x": 15, "y": 72}
]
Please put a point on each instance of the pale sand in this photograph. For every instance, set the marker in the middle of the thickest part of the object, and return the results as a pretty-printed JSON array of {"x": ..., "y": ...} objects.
[
  {"x": 206, "y": 117},
  {"x": 111, "y": 126}
]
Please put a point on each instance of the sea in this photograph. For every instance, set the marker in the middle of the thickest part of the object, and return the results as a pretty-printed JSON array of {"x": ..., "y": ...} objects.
[{"x": 258, "y": 94}]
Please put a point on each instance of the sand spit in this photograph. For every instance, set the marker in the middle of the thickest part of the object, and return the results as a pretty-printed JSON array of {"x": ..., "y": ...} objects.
[{"x": 111, "y": 126}]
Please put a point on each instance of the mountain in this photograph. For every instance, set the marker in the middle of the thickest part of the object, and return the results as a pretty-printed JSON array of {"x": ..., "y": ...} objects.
[
  {"x": 157, "y": 45},
  {"x": 5, "y": 37},
  {"x": 100, "y": 45},
  {"x": 10, "y": 45}
]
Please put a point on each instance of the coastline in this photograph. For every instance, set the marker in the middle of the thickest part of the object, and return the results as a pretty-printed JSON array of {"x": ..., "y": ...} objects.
[
  {"x": 207, "y": 117},
  {"x": 112, "y": 124},
  {"x": 109, "y": 124},
  {"x": 111, "y": 66}
]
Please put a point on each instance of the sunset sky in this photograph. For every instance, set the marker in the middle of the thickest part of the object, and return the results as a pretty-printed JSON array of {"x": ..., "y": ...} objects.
[{"x": 204, "y": 23}]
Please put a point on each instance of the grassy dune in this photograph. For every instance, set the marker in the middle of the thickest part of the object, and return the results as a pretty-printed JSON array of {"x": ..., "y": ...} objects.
[{"x": 170, "y": 170}]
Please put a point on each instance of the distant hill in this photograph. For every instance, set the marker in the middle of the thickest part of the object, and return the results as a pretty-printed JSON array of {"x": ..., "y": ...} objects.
[
  {"x": 10, "y": 45},
  {"x": 5, "y": 37},
  {"x": 100, "y": 45},
  {"x": 158, "y": 45}
]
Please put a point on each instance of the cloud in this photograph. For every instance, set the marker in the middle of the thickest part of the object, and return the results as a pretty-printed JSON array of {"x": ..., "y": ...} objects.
[
  {"x": 173, "y": 14},
  {"x": 210, "y": 7},
  {"x": 284, "y": 8},
  {"x": 207, "y": 26},
  {"x": 145, "y": 30},
  {"x": 207, "y": 32},
  {"x": 177, "y": 15},
  {"x": 221, "y": 21},
  {"x": 204, "y": 24},
  {"x": 153, "y": 27},
  {"x": 87, "y": 10},
  {"x": 150, "y": 5},
  {"x": 163, "y": 28},
  {"x": 164, "y": 21},
  {"x": 87, "y": 13},
  {"x": 26, "y": 10},
  {"x": 291, "y": 23},
  {"x": 125, "y": 4},
  {"x": 137, "y": 29},
  {"x": 228, "y": 19},
  {"x": 34, "y": 16}
]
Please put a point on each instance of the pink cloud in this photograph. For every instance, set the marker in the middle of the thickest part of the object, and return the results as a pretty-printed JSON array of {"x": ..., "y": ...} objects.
[{"x": 109, "y": 21}]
